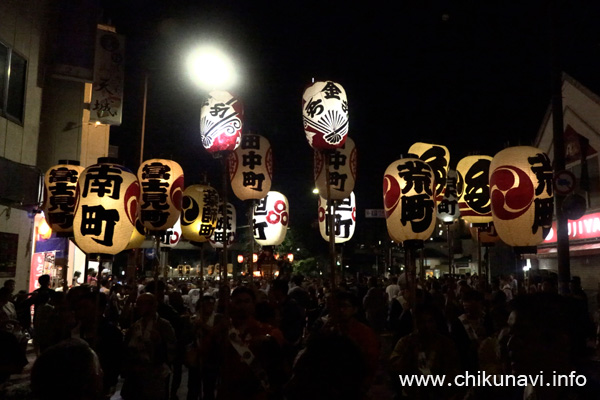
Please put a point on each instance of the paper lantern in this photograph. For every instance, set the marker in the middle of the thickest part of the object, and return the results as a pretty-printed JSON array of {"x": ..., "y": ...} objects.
[
  {"x": 409, "y": 200},
  {"x": 325, "y": 115},
  {"x": 251, "y": 168},
  {"x": 474, "y": 189},
  {"x": 162, "y": 193},
  {"x": 271, "y": 219},
  {"x": 199, "y": 213},
  {"x": 344, "y": 219},
  {"x": 171, "y": 236},
  {"x": 438, "y": 158},
  {"x": 218, "y": 236},
  {"x": 522, "y": 195},
  {"x": 137, "y": 236},
  {"x": 60, "y": 195},
  {"x": 221, "y": 122},
  {"x": 107, "y": 208},
  {"x": 447, "y": 209},
  {"x": 342, "y": 171}
]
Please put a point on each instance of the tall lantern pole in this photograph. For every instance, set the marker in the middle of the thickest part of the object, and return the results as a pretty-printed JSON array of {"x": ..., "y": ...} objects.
[
  {"x": 220, "y": 116},
  {"x": 409, "y": 205},
  {"x": 325, "y": 119}
]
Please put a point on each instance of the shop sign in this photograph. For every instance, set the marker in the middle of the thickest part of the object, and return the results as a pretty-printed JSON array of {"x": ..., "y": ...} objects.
[{"x": 586, "y": 227}]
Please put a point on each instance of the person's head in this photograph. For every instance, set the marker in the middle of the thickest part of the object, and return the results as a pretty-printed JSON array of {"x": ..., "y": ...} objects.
[
  {"x": 279, "y": 290},
  {"x": 70, "y": 368},
  {"x": 241, "y": 303},
  {"x": 10, "y": 285},
  {"x": 372, "y": 282},
  {"x": 157, "y": 288},
  {"x": 541, "y": 336},
  {"x": 343, "y": 305},
  {"x": 206, "y": 304},
  {"x": 44, "y": 280},
  {"x": 297, "y": 280},
  {"x": 472, "y": 302},
  {"x": 394, "y": 280},
  {"x": 89, "y": 305},
  {"x": 146, "y": 305},
  {"x": 426, "y": 317}
]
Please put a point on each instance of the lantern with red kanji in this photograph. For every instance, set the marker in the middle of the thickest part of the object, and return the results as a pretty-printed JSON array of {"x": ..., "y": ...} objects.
[
  {"x": 325, "y": 115},
  {"x": 342, "y": 170},
  {"x": 409, "y": 200},
  {"x": 473, "y": 189},
  {"x": 271, "y": 219},
  {"x": 344, "y": 218},
  {"x": 107, "y": 208},
  {"x": 221, "y": 120},
  {"x": 162, "y": 193},
  {"x": 438, "y": 158},
  {"x": 199, "y": 212},
  {"x": 225, "y": 226},
  {"x": 60, "y": 195},
  {"x": 251, "y": 168},
  {"x": 522, "y": 195}
]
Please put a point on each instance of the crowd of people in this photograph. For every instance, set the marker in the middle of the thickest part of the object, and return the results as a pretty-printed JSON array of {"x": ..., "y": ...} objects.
[{"x": 294, "y": 338}]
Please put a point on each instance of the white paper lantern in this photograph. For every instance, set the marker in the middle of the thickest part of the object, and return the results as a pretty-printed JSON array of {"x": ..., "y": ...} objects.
[
  {"x": 522, "y": 197},
  {"x": 162, "y": 193},
  {"x": 60, "y": 195},
  {"x": 474, "y": 189},
  {"x": 438, "y": 158},
  {"x": 107, "y": 208},
  {"x": 271, "y": 219},
  {"x": 409, "y": 200},
  {"x": 342, "y": 170},
  {"x": 251, "y": 168},
  {"x": 199, "y": 213},
  {"x": 217, "y": 238},
  {"x": 221, "y": 122},
  {"x": 344, "y": 219},
  {"x": 325, "y": 115}
]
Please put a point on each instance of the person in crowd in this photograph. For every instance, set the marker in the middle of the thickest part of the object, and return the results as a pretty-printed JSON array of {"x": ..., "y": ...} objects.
[
  {"x": 393, "y": 289},
  {"x": 69, "y": 370},
  {"x": 542, "y": 338},
  {"x": 102, "y": 335},
  {"x": 470, "y": 329},
  {"x": 297, "y": 292},
  {"x": 151, "y": 345},
  {"x": 425, "y": 351},
  {"x": 201, "y": 358},
  {"x": 375, "y": 304},
  {"x": 249, "y": 352}
]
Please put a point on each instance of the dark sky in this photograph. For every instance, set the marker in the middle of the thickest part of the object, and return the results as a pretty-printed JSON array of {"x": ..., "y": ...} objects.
[{"x": 468, "y": 74}]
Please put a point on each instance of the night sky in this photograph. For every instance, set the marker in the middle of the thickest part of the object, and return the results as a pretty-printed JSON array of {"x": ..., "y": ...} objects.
[{"x": 472, "y": 75}]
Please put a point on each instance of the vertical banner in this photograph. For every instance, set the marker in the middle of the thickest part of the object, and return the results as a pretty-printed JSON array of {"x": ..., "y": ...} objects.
[{"x": 107, "y": 91}]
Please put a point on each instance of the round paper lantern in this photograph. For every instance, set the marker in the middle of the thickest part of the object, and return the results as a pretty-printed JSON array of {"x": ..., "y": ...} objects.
[
  {"x": 107, "y": 208},
  {"x": 325, "y": 115},
  {"x": 216, "y": 240},
  {"x": 251, "y": 168},
  {"x": 172, "y": 236},
  {"x": 162, "y": 193},
  {"x": 342, "y": 170},
  {"x": 438, "y": 158},
  {"x": 137, "y": 236},
  {"x": 344, "y": 219},
  {"x": 60, "y": 195},
  {"x": 474, "y": 189},
  {"x": 221, "y": 122},
  {"x": 522, "y": 195},
  {"x": 199, "y": 212},
  {"x": 409, "y": 200},
  {"x": 271, "y": 219},
  {"x": 447, "y": 209}
]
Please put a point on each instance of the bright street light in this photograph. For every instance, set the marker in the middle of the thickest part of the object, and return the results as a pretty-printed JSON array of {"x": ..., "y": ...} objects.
[{"x": 211, "y": 69}]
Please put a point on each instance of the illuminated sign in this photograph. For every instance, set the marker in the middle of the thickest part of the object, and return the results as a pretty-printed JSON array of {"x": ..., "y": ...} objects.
[{"x": 586, "y": 227}]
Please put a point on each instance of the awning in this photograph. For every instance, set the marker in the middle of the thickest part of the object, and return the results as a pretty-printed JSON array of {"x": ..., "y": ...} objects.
[{"x": 574, "y": 250}]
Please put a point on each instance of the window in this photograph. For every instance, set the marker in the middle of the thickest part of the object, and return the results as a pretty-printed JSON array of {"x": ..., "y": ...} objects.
[{"x": 13, "y": 74}]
